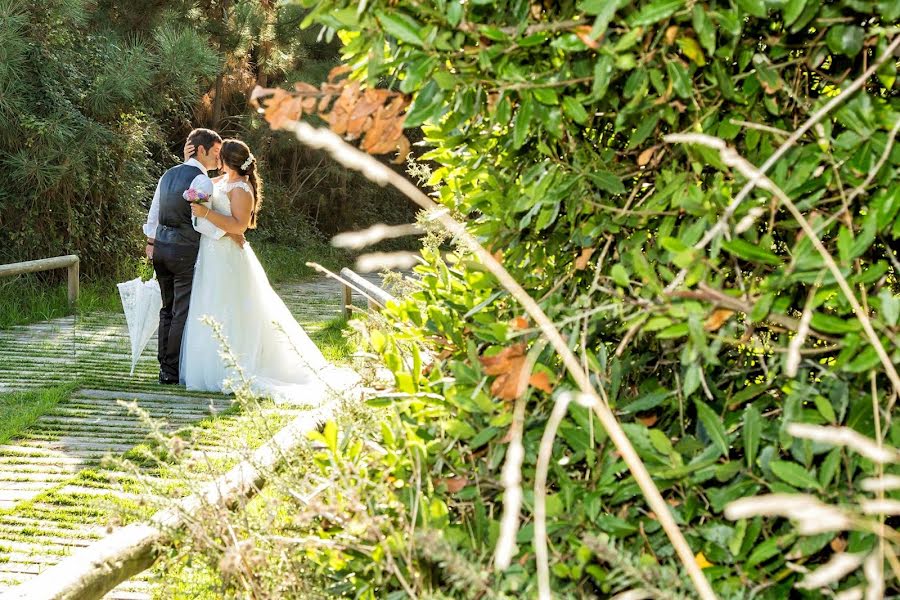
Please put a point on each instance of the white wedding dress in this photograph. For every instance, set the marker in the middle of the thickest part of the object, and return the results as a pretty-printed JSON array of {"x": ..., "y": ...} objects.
[{"x": 239, "y": 334}]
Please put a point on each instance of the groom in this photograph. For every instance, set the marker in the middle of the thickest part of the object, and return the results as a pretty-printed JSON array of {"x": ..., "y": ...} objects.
[{"x": 173, "y": 241}]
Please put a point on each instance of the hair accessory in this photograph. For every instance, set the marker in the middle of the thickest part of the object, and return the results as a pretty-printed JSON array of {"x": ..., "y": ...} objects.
[{"x": 248, "y": 162}]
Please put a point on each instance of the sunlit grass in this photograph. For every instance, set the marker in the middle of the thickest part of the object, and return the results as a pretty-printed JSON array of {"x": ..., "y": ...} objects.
[
  {"x": 19, "y": 410},
  {"x": 333, "y": 339}
]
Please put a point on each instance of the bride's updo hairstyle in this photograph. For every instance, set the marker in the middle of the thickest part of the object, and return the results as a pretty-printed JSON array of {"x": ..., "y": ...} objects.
[{"x": 236, "y": 154}]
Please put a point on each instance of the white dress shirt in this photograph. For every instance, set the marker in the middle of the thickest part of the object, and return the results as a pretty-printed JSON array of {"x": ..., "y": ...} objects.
[{"x": 201, "y": 183}]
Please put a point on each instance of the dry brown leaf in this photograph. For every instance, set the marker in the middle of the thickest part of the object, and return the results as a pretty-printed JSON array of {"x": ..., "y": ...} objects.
[
  {"x": 507, "y": 366},
  {"x": 671, "y": 34},
  {"x": 324, "y": 103},
  {"x": 520, "y": 323},
  {"x": 584, "y": 34},
  {"x": 648, "y": 420},
  {"x": 718, "y": 318},
  {"x": 838, "y": 544},
  {"x": 581, "y": 262},
  {"x": 306, "y": 88},
  {"x": 454, "y": 484},
  {"x": 645, "y": 156},
  {"x": 541, "y": 381},
  {"x": 403, "y": 148},
  {"x": 337, "y": 72}
]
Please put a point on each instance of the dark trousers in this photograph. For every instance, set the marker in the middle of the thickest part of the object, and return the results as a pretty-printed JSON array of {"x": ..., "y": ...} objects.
[{"x": 174, "y": 266}]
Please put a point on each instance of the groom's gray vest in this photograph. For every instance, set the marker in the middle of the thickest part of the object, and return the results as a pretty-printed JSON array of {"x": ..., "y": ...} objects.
[{"x": 174, "y": 211}]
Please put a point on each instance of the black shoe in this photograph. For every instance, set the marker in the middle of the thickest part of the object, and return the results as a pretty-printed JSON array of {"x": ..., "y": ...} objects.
[{"x": 163, "y": 380}]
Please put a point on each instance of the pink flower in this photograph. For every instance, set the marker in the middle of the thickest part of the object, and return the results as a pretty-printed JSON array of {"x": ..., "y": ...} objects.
[{"x": 195, "y": 196}]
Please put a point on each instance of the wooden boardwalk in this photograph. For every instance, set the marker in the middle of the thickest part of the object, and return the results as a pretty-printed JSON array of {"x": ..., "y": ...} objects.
[{"x": 59, "y": 490}]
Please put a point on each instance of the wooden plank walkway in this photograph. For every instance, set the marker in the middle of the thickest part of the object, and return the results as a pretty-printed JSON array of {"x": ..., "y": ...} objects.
[{"x": 57, "y": 491}]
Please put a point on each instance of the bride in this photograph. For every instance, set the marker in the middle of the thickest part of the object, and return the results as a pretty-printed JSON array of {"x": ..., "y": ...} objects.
[{"x": 234, "y": 307}]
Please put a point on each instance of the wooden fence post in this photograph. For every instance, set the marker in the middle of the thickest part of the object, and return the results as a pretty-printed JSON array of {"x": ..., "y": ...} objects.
[
  {"x": 74, "y": 286},
  {"x": 69, "y": 262}
]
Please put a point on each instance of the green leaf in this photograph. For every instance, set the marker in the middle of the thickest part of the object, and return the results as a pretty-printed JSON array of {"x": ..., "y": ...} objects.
[
  {"x": 762, "y": 307},
  {"x": 607, "y": 181},
  {"x": 823, "y": 405},
  {"x": 768, "y": 549},
  {"x": 691, "y": 49},
  {"x": 523, "y": 120},
  {"x": 713, "y": 425},
  {"x": 792, "y": 10},
  {"x": 546, "y": 95},
  {"x": 459, "y": 429},
  {"x": 454, "y": 12},
  {"x": 681, "y": 81},
  {"x": 428, "y": 104},
  {"x": 647, "y": 401},
  {"x": 845, "y": 39},
  {"x": 575, "y": 110},
  {"x": 752, "y": 433},
  {"x": 831, "y": 324},
  {"x": 655, "y": 11},
  {"x": 604, "y": 11},
  {"x": 757, "y": 8},
  {"x": 752, "y": 252},
  {"x": 793, "y": 474},
  {"x": 401, "y": 26},
  {"x": 829, "y": 467},
  {"x": 602, "y": 75},
  {"x": 864, "y": 361},
  {"x": 890, "y": 307},
  {"x": 705, "y": 29},
  {"x": 619, "y": 275}
]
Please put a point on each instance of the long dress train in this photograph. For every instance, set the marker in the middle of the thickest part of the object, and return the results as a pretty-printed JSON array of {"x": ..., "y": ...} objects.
[{"x": 240, "y": 334}]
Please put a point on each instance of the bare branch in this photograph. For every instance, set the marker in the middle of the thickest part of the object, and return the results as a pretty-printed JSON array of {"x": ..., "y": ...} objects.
[{"x": 356, "y": 240}]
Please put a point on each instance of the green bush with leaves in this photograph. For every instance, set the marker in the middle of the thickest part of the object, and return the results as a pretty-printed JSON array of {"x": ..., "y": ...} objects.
[{"x": 547, "y": 123}]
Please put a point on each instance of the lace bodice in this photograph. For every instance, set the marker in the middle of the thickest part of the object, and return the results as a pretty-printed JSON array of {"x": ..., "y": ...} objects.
[{"x": 220, "y": 201}]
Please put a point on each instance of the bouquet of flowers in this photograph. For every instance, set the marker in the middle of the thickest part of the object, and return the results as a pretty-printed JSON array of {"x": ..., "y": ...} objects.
[{"x": 195, "y": 196}]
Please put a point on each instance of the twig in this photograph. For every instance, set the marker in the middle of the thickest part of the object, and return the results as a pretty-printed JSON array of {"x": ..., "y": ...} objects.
[
  {"x": 540, "y": 491},
  {"x": 376, "y": 233},
  {"x": 759, "y": 127},
  {"x": 512, "y": 469},
  {"x": 731, "y": 158},
  {"x": 792, "y": 361},
  {"x": 377, "y": 172},
  {"x": 537, "y": 28},
  {"x": 720, "y": 298},
  {"x": 722, "y": 224}
]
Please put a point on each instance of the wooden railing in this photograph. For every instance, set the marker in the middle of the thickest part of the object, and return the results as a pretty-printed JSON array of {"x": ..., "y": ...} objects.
[
  {"x": 69, "y": 262},
  {"x": 376, "y": 297}
]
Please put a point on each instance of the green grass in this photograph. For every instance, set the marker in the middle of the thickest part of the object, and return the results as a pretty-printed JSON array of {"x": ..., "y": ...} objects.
[
  {"x": 19, "y": 410},
  {"x": 333, "y": 339},
  {"x": 287, "y": 263},
  {"x": 25, "y": 299}
]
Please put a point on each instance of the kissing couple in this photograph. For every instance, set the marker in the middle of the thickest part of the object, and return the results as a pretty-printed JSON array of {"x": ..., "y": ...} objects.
[{"x": 215, "y": 293}]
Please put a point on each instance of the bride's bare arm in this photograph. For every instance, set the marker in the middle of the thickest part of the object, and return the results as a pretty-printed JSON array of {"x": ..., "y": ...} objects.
[{"x": 241, "y": 208}]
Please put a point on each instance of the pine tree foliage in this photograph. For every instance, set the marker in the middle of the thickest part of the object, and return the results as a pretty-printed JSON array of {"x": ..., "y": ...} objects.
[{"x": 97, "y": 96}]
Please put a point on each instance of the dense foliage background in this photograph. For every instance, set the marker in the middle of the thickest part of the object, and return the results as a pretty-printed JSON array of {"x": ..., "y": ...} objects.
[
  {"x": 97, "y": 98},
  {"x": 546, "y": 122}
]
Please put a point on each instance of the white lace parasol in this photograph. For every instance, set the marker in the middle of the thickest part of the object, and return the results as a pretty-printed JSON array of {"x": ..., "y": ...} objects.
[{"x": 141, "y": 301}]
